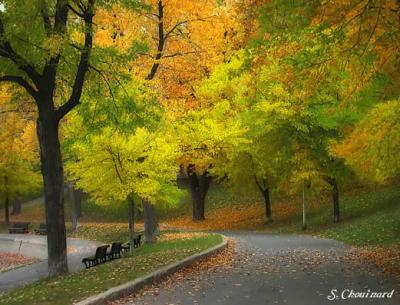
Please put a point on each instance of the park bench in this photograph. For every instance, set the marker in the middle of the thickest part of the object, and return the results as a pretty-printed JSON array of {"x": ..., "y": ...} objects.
[
  {"x": 99, "y": 257},
  {"x": 115, "y": 251},
  {"x": 42, "y": 230},
  {"x": 136, "y": 243},
  {"x": 19, "y": 227}
]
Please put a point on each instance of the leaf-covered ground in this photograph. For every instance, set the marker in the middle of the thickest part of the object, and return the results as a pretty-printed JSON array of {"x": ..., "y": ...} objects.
[
  {"x": 370, "y": 221},
  {"x": 369, "y": 217},
  {"x": 77, "y": 286},
  {"x": 10, "y": 261}
]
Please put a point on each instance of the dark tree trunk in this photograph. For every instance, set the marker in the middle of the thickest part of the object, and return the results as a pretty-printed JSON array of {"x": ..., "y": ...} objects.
[
  {"x": 6, "y": 203},
  {"x": 53, "y": 178},
  {"x": 17, "y": 207},
  {"x": 199, "y": 185},
  {"x": 151, "y": 228},
  {"x": 74, "y": 198},
  {"x": 7, "y": 210},
  {"x": 131, "y": 222},
  {"x": 161, "y": 41},
  {"x": 263, "y": 187},
  {"x": 78, "y": 201},
  {"x": 267, "y": 201},
  {"x": 335, "y": 200},
  {"x": 306, "y": 187}
]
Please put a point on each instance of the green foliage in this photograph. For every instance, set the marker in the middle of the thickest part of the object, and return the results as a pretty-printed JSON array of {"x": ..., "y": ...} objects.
[{"x": 112, "y": 165}]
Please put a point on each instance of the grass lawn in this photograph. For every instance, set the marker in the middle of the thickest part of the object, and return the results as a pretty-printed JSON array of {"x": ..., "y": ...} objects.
[
  {"x": 76, "y": 286},
  {"x": 368, "y": 217}
]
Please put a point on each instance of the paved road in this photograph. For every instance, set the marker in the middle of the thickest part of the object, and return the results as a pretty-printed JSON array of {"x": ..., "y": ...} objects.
[
  {"x": 277, "y": 269},
  {"x": 36, "y": 246}
]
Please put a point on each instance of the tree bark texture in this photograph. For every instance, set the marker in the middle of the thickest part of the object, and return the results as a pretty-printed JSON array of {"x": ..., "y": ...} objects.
[
  {"x": 199, "y": 185},
  {"x": 306, "y": 187},
  {"x": 335, "y": 198},
  {"x": 151, "y": 228},
  {"x": 74, "y": 198},
  {"x": 17, "y": 207},
  {"x": 268, "y": 211},
  {"x": 6, "y": 203},
  {"x": 53, "y": 178},
  {"x": 131, "y": 222},
  {"x": 263, "y": 187}
]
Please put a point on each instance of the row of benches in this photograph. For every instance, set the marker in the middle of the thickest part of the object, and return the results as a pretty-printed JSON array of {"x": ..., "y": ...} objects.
[
  {"x": 102, "y": 255},
  {"x": 23, "y": 227}
]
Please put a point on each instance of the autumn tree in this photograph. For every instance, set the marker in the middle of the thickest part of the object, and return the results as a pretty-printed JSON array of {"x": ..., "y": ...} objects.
[
  {"x": 125, "y": 139},
  {"x": 18, "y": 153},
  {"x": 206, "y": 136},
  {"x": 287, "y": 88},
  {"x": 48, "y": 55},
  {"x": 371, "y": 146}
]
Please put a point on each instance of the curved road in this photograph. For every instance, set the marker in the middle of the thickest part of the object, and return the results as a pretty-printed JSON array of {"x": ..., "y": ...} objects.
[
  {"x": 276, "y": 269},
  {"x": 36, "y": 246}
]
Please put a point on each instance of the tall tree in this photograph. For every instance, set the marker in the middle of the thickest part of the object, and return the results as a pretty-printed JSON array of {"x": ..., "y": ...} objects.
[
  {"x": 48, "y": 55},
  {"x": 206, "y": 135},
  {"x": 260, "y": 104}
]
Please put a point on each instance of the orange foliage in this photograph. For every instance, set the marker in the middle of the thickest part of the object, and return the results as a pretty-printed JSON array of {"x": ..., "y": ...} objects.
[{"x": 185, "y": 40}]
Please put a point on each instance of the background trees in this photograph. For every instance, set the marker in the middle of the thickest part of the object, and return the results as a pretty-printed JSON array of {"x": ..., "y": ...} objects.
[{"x": 18, "y": 153}]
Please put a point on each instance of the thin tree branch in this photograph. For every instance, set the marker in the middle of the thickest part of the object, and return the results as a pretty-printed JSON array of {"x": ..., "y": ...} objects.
[
  {"x": 45, "y": 16},
  {"x": 22, "y": 82},
  {"x": 8, "y": 52},
  {"x": 83, "y": 66}
]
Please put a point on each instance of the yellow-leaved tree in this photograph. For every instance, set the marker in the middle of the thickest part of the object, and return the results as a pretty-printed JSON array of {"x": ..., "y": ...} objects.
[
  {"x": 19, "y": 153},
  {"x": 118, "y": 166}
]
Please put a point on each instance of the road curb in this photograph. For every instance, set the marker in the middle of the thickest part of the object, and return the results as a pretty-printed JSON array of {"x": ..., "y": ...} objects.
[{"x": 132, "y": 286}]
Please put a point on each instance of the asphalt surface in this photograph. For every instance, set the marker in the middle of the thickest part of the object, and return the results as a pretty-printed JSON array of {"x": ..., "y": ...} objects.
[
  {"x": 277, "y": 269},
  {"x": 36, "y": 246}
]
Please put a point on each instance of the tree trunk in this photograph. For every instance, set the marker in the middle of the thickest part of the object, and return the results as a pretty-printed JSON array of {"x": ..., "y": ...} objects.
[
  {"x": 78, "y": 201},
  {"x": 6, "y": 203},
  {"x": 335, "y": 197},
  {"x": 199, "y": 185},
  {"x": 131, "y": 221},
  {"x": 151, "y": 228},
  {"x": 267, "y": 201},
  {"x": 304, "y": 224},
  {"x": 74, "y": 198},
  {"x": 262, "y": 185},
  {"x": 53, "y": 178},
  {"x": 17, "y": 207}
]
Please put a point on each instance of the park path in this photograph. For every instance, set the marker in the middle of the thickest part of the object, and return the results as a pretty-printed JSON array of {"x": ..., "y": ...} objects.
[
  {"x": 275, "y": 269},
  {"x": 36, "y": 246}
]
